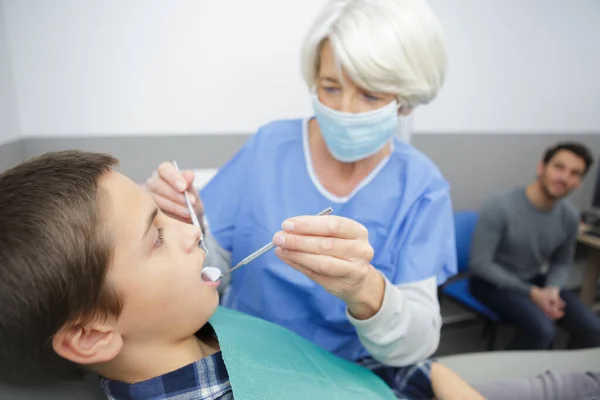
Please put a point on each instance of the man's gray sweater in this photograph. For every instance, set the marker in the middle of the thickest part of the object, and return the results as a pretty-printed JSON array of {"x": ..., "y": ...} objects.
[{"x": 514, "y": 239}]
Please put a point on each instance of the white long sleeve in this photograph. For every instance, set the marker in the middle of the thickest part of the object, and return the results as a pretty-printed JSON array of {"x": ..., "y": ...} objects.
[{"x": 407, "y": 327}]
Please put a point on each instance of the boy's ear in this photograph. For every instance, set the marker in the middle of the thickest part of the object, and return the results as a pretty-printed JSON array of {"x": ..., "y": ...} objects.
[{"x": 87, "y": 344}]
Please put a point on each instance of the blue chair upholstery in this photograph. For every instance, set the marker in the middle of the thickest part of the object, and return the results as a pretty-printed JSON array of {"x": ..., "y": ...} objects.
[
  {"x": 458, "y": 289},
  {"x": 464, "y": 227}
]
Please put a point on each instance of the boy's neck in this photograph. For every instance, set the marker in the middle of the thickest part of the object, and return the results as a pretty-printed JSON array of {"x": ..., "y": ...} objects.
[{"x": 150, "y": 360}]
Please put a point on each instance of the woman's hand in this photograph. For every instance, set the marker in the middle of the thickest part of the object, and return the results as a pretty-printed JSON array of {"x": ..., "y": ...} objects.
[
  {"x": 334, "y": 252},
  {"x": 167, "y": 185}
]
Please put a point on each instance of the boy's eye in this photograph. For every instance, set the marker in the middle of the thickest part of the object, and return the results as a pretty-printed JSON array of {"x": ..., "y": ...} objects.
[
  {"x": 330, "y": 89},
  {"x": 160, "y": 239}
]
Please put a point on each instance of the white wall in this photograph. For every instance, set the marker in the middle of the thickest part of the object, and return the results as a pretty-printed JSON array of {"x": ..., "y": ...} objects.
[
  {"x": 524, "y": 66},
  {"x": 203, "y": 176},
  {"x": 9, "y": 119},
  {"x": 189, "y": 66}
]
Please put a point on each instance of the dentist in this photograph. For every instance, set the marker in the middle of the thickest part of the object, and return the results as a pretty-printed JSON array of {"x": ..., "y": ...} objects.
[{"x": 363, "y": 282}]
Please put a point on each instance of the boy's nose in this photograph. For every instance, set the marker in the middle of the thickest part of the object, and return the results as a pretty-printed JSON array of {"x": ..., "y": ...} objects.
[{"x": 192, "y": 238}]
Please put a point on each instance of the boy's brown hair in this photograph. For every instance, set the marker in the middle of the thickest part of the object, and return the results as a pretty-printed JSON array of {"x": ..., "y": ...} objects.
[{"x": 54, "y": 255}]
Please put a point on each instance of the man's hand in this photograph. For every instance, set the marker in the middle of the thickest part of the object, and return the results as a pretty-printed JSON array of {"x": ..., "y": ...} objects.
[
  {"x": 557, "y": 303},
  {"x": 548, "y": 299}
]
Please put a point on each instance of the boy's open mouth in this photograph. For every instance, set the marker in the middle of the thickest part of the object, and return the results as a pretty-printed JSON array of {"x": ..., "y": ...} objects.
[{"x": 211, "y": 275}]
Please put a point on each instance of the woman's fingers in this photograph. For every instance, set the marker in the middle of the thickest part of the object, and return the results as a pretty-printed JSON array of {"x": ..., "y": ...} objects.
[
  {"x": 326, "y": 225},
  {"x": 332, "y": 251},
  {"x": 175, "y": 209},
  {"x": 189, "y": 177},
  {"x": 168, "y": 173},
  {"x": 283, "y": 255},
  {"x": 161, "y": 188},
  {"x": 338, "y": 277},
  {"x": 347, "y": 249},
  {"x": 167, "y": 186},
  {"x": 314, "y": 265}
]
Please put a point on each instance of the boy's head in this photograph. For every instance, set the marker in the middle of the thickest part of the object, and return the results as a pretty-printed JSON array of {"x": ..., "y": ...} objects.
[{"x": 91, "y": 272}]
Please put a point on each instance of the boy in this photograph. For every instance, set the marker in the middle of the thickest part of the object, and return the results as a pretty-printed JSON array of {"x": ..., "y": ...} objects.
[{"x": 94, "y": 277}]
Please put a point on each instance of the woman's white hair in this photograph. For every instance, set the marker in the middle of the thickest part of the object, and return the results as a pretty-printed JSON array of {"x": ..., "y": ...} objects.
[{"x": 385, "y": 46}]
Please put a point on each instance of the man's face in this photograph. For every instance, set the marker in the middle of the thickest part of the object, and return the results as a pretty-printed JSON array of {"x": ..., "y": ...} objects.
[
  {"x": 561, "y": 175},
  {"x": 156, "y": 268}
]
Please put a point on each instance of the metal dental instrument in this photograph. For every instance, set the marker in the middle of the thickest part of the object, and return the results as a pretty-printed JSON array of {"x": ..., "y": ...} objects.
[
  {"x": 266, "y": 248},
  {"x": 193, "y": 215},
  {"x": 214, "y": 273}
]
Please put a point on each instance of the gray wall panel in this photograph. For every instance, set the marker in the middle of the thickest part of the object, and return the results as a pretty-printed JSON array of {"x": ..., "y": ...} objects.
[
  {"x": 477, "y": 166},
  {"x": 11, "y": 153},
  {"x": 140, "y": 155}
]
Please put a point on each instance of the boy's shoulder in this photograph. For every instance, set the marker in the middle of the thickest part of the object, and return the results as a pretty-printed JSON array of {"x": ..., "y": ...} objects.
[{"x": 205, "y": 379}]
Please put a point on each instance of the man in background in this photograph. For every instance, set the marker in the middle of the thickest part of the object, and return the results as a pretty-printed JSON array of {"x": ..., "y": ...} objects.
[{"x": 518, "y": 234}]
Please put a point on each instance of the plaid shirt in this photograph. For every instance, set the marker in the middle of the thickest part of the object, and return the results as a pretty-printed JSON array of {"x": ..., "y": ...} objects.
[
  {"x": 206, "y": 379},
  {"x": 412, "y": 382}
]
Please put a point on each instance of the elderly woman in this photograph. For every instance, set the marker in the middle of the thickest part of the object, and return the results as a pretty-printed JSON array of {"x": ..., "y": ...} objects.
[{"x": 363, "y": 282}]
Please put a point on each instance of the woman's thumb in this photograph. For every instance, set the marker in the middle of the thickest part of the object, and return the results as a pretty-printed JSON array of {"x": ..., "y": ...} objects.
[{"x": 189, "y": 177}]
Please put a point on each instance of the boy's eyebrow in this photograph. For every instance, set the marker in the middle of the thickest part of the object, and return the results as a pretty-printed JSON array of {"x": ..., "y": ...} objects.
[{"x": 150, "y": 221}]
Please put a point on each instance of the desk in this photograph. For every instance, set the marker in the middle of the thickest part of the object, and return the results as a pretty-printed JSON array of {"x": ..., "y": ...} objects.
[{"x": 589, "y": 286}]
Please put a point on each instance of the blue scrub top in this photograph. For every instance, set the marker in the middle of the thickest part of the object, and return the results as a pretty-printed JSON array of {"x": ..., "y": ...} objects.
[{"x": 405, "y": 204}]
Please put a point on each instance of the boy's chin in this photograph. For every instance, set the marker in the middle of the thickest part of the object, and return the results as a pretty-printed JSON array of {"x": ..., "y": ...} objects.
[{"x": 208, "y": 308}]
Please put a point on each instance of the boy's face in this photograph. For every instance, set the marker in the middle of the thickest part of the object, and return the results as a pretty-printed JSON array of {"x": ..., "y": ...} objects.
[
  {"x": 156, "y": 272},
  {"x": 156, "y": 267}
]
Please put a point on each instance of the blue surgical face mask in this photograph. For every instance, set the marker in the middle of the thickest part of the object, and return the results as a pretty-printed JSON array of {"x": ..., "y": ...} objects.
[{"x": 352, "y": 137}]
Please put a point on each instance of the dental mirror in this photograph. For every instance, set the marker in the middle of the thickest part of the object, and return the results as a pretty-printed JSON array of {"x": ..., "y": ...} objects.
[{"x": 214, "y": 274}]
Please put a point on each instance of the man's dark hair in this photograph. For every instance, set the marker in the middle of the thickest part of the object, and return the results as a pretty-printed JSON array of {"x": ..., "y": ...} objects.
[
  {"x": 578, "y": 149},
  {"x": 54, "y": 255}
]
